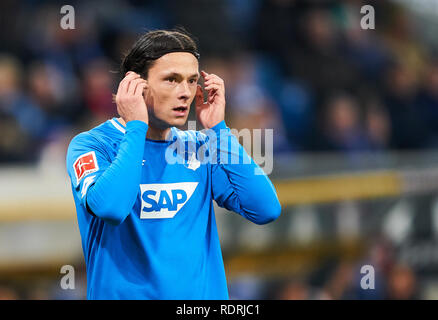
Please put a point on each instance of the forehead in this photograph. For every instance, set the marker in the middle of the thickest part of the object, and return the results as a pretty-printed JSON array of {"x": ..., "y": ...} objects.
[{"x": 176, "y": 62}]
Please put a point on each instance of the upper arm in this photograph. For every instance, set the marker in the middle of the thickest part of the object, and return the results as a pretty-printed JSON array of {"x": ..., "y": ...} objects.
[{"x": 86, "y": 160}]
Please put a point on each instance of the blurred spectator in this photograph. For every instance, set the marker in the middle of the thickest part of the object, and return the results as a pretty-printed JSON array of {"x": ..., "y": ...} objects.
[
  {"x": 402, "y": 283},
  {"x": 209, "y": 22},
  {"x": 299, "y": 289},
  {"x": 343, "y": 130},
  {"x": 55, "y": 94},
  {"x": 317, "y": 58},
  {"x": 428, "y": 101},
  {"x": 377, "y": 125},
  {"x": 275, "y": 27},
  {"x": 251, "y": 107},
  {"x": 8, "y": 293},
  {"x": 298, "y": 115},
  {"x": 97, "y": 89},
  {"x": 380, "y": 256},
  {"x": 282, "y": 62},
  {"x": 408, "y": 121},
  {"x": 38, "y": 291},
  {"x": 364, "y": 48},
  {"x": 245, "y": 287},
  {"x": 399, "y": 37},
  {"x": 250, "y": 104},
  {"x": 339, "y": 285},
  {"x": 23, "y": 125}
]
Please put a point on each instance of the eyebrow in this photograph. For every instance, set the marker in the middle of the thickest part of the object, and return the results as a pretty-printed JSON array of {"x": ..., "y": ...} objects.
[{"x": 175, "y": 74}]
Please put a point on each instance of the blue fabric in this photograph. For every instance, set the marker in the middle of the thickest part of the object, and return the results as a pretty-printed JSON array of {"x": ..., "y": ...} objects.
[{"x": 147, "y": 222}]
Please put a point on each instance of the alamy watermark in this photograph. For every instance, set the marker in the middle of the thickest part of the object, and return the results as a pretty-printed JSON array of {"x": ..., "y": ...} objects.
[
  {"x": 68, "y": 18},
  {"x": 367, "y": 281},
  {"x": 223, "y": 147},
  {"x": 368, "y": 20},
  {"x": 68, "y": 280}
]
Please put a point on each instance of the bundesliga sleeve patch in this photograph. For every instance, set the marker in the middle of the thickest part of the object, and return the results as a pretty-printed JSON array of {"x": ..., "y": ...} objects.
[{"x": 85, "y": 164}]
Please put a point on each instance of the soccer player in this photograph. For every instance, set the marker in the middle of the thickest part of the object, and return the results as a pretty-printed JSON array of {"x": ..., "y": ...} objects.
[{"x": 147, "y": 224}]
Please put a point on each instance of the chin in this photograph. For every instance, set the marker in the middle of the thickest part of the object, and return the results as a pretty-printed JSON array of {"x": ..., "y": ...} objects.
[
  {"x": 162, "y": 123},
  {"x": 178, "y": 122}
]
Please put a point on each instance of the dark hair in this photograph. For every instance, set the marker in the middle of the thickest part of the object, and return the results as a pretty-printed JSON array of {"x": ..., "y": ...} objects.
[{"x": 154, "y": 44}]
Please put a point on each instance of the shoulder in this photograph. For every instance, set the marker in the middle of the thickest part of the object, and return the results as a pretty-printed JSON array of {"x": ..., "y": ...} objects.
[
  {"x": 82, "y": 141},
  {"x": 100, "y": 138},
  {"x": 103, "y": 133}
]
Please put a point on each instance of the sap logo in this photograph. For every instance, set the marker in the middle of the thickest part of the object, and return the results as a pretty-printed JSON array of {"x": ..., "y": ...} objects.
[{"x": 164, "y": 200}]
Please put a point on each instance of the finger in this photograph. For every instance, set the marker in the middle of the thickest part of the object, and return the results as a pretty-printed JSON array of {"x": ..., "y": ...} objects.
[
  {"x": 129, "y": 76},
  {"x": 127, "y": 80},
  {"x": 133, "y": 84},
  {"x": 212, "y": 77},
  {"x": 212, "y": 82},
  {"x": 140, "y": 87},
  {"x": 204, "y": 74},
  {"x": 213, "y": 86},
  {"x": 124, "y": 84},
  {"x": 199, "y": 96},
  {"x": 207, "y": 76}
]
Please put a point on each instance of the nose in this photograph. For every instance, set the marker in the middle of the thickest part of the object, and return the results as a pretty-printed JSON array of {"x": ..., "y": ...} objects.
[{"x": 184, "y": 90}]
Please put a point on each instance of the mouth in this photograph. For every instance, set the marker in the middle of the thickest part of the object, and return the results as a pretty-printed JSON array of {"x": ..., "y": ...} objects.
[{"x": 180, "y": 111}]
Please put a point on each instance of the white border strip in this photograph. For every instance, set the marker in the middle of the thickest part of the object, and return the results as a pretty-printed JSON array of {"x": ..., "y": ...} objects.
[{"x": 117, "y": 126}]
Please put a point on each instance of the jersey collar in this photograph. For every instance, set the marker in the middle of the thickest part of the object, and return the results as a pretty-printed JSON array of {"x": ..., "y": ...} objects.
[{"x": 116, "y": 123}]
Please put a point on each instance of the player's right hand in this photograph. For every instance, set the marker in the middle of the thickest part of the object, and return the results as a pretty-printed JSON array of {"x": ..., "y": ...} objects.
[{"x": 130, "y": 98}]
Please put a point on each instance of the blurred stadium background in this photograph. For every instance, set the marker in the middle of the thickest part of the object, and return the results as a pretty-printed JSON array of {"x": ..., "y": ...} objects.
[{"x": 355, "y": 119}]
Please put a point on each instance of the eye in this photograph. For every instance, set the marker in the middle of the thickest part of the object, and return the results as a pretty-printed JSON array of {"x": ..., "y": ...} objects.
[
  {"x": 192, "y": 81},
  {"x": 171, "y": 79}
]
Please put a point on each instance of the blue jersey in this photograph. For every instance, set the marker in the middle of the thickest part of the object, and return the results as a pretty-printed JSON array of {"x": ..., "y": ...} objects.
[{"x": 145, "y": 209}]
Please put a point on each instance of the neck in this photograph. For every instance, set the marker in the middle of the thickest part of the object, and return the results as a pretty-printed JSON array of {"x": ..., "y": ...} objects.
[{"x": 153, "y": 132}]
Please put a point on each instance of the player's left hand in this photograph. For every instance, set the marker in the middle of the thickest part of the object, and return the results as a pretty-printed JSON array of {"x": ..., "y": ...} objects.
[{"x": 212, "y": 111}]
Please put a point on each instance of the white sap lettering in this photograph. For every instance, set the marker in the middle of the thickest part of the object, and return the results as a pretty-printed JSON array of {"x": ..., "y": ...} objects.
[{"x": 164, "y": 200}]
